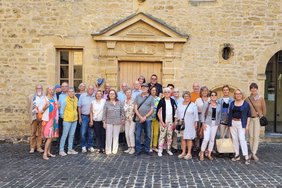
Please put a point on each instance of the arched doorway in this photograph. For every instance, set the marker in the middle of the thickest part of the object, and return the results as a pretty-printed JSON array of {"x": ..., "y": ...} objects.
[{"x": 273, "y": 92}]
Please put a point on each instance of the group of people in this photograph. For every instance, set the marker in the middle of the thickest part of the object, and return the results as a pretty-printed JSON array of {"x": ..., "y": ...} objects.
[{"x": 148, "y": 107}]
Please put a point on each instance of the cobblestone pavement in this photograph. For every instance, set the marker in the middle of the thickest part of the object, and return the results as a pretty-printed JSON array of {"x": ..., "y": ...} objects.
[{"x": 18, "y": 168}]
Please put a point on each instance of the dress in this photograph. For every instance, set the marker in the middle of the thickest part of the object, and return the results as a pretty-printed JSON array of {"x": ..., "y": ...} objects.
[
  {"x": 50, "y": 129},
  {"x": 190, "y": 118}
]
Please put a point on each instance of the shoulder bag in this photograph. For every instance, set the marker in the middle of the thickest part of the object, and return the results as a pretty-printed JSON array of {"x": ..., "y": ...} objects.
[
  {"x": 262, "y": 120},
  {"x": 134, "y": 117},
  {"x": 181, "y": 123}
]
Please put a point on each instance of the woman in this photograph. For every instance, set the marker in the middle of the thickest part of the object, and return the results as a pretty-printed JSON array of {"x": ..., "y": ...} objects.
[
  {"x": 258, "y": 109},
  {"x": 113, "y": 118},
  {"x": 128, "y": 107},
  {"x": 50, "y": 117},
  {"x": 204, "y": 97},
  {"x": 69, "y": 123},
  {"x": 210, "y": 119},
  {"x": 96, "y": 115},
  {"x": 141, "y": 80},
  {"x": 188, "y": 112},
  {"x": 155, "y": 124},
  {"x": 239, "y": 120},
  {"x": 166, "y": 116}
]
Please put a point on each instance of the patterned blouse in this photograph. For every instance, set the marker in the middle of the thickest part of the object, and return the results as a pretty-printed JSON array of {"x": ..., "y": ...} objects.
[
  {"x": 113, "y": 114},
  {"x": 129, "y": 110}
]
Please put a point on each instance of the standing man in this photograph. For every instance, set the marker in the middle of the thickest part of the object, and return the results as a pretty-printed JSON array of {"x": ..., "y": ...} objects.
[
  {"x": 196, "y": 92},
  {"x": 154, "y": 82},
  {"x": 136, "y": 90},
  {"x": 121, "y": 93},
  {"x": 62, "y": 102},
  {"x": 86, "y": 132},
  {"x": 106, "y": 91},
  {"x": 34, "y": 101},
  {"x": 144, "y": 108}
]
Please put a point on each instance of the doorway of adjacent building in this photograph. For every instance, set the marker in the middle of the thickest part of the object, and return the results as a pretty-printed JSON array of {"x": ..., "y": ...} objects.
[
  {"x": 273, "y": 93},
  {"x": 129, "y": 71}
]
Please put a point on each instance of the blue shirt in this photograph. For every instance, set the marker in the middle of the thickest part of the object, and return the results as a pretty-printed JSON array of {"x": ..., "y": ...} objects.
[
  {"x": 62, "y": 102},
  {"x": 246, "y": 113},
  {"x": 135, "y": 93},
  {"x": 121, "y": 96},
  {"x": 84, "y": 103}
]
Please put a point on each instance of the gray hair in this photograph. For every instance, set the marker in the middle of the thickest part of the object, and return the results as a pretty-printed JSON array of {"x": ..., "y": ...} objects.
[{"x": 166, "y": 89}]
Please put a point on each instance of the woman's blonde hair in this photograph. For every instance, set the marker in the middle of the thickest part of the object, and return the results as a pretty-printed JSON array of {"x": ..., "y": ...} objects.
[
  {"x": 241, "y": 91},
  {"x": 186, "y": 93}
]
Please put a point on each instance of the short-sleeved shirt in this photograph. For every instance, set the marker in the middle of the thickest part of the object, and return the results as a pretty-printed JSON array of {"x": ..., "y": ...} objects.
[
  {"x": 121, "y": 96},
  {"x": 62, "y": 102},
  {"x": 146, "y": 106},
  {"x": 135, "y": 93},
  {"x": 84, "y": 103}
]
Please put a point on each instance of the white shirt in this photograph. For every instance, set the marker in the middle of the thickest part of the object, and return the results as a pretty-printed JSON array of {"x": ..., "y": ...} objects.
[
  {"x": 97, "y": 109},
  {"x": 200, "y": 103},
  {"x": 168, "y": 111}
]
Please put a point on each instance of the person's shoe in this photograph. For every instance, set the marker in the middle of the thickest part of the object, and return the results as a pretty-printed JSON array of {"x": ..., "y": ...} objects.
[
  {"x": 72, "y": 152},
  {"x": 45, "y": 157},
  {"x": 151, "y": 150},
  {"x": 160, "y": 154},
  {"x": 181, "y": 156},
  {"x": 40, "y": 150},
  {"x": 31, "y": 150},
  {"x": 51, "y": 155},
  {"x": 247, "y": 161},
  {"x": 188, "y": 157},
  {"x": 137, "y": 153},
  {"x": 231, "y": 155},
  {"x": 220, "y": 155},
  {"x": 83, "y": 150},
  {"x": 132, "y": 151},
  {"x": 236, "y": 158},
  {"x": 156, "y": 150},
  {"x": 91, "y": 149},
  {"x": 255, "y": 157},
  {"x": 128, "y": 150},
  {"x": 149, "y": 153},
  {"x": 62, "y": 153},
  {"x": 210, "y": 157},
  {"x": 169, "y": 152}
]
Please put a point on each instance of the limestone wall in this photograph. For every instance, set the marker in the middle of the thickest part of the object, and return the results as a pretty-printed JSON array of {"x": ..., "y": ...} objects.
[{"x": 31, "y": 30}]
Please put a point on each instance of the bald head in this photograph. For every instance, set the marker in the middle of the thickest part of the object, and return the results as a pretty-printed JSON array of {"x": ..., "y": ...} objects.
[{"x": 196, "y": 87}]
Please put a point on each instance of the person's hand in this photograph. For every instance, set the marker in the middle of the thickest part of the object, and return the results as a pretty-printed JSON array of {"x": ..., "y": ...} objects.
[
  {"x": 173, "y": 125},
  {"x": 163, "y": 124},
  {"x": 143, "y": 119},
  {"x": 91, "y": 124},
  {"x": 247, "y": 128},
  {"x": 47, "y": 104},
  {"x": 104, "y": 125},
  {"x": 204, "y": 126},
  {"x": 123, "y": 122},
  {"x": 80, "y": 120}
]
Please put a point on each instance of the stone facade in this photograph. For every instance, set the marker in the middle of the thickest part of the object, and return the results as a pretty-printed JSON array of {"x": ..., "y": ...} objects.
[{"x": 33, "y": 30}]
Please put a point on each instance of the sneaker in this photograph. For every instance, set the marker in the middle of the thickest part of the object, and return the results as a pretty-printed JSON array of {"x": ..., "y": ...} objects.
[
  {"x": 137, "y": 153},
  {"x": 169, "y": 152},
  {"x": 255, "y": 157},
  {"x": 132, "y": 151},
  {"x": 156, "y": 150},
  {"x": 62, "y": 153},
  {"x": 72, "y": 152},
  {"x": 40, "y": 150},
  {"x": 247, "y": 161},
  {"x": 151, "y": 150},
  {"x": 31, "y": 150},
  {"x": 128, "y": 150},
  {"x": 149, "y": 153},
  {"x": 160, "y": 154},
  {"x": 83, "y": 150},
  {"x": 236, "y": 158},
  {"x": 91, "y": 149}
]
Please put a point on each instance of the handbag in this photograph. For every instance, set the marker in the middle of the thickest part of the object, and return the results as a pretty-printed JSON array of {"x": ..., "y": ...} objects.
[
  {"x": 224, "y": 145},
  {"x": 262, "y": 120},
  {"x": 134, "y": 116},
  {"x": 200, "y": 131},
  {"x": 181, "y": 123}
]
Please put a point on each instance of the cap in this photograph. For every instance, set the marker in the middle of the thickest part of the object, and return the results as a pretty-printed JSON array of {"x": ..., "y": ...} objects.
[{"x": 57, "y": 86}]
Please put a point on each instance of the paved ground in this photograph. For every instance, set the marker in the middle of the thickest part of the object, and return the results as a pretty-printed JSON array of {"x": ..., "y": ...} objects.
[{"x": 18, "y": 168}]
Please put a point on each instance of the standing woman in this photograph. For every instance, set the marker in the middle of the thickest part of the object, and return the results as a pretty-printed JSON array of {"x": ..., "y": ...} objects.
[
  {"x": 96, "y": 116},
  {"x": 258, "y": 109},
  {"x": 210, "y": 119},
  {"x": 113, "y": 118},
  {"x": 70, "y": 122},
  {"x": 155, "y": 124},
  {"x": 50, "y": 118},
  {"x": 129, "y": 126},
  {"x": 190, "y": 111},
  {"x": 239, "y": 120}
]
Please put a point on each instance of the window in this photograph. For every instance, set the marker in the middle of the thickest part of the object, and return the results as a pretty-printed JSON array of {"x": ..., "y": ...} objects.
[{"x": 70, "y": 67}]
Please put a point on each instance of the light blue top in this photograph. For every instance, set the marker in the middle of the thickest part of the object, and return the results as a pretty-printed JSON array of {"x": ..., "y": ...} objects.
[
  {"x": 84, "y": 103},
  {"x": 62, "y": 102},
  {"x": 135, "y": 93},
  {"x": 121, "y": 96}
]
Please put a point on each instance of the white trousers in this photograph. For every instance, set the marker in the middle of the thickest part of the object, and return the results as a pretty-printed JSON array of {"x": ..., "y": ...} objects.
[
  {"x": 254, "y": 132},
  {"x": 129, "y": 133},
  {"x": 238, "y": 137},
  {"x": 112, "y": 136},
  {"x": 209, "y": 136}
]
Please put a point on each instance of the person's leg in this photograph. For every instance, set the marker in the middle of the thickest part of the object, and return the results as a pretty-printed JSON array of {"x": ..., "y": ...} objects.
[
  {"x": 47, "y": 148},
  {"x": 103, "y": 136},
  {"x": 39, "y": 136},
  {"x": 234, "y": 135},
  {"x": 190, "y": 145},
  {"x": 90, "y": 135},
  {"x": 184, "y": 147},
  {"x": 138, "y": 131},
  {"x": 169, "y": 136},
  {"x": 65, "y": 133},
  {"x": 33, "y": 135},
  {"x": 206, "y": 139},
  {"x": 256, "y": 136},
  {"x": 163, "y": 131},
  {"x": 83, "y": 131},
  {"x": 71, "y": 135},
  {"x": 132, "y": 134},
  {"x": 212, "y": 138},
  {"x": 251, "y": 133},
  {"x": 116, "y": 131},
  {"x": 242, "y": 139},
  {"x": 156, "y": 129},
  {"x": 127, "y": 132},
  {"x": 96, "y": 128},
  {"x": 148, "y": 127},
  {"x": 61, "y": 127},
  {"x": 109, "y": 138}
]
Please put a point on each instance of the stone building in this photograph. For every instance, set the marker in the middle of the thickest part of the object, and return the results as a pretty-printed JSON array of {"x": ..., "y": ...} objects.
[{"x": 213, "y": 42}]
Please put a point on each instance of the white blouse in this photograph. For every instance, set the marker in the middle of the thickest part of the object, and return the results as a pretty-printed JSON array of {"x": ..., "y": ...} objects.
[{"x": 97, "y": 109}]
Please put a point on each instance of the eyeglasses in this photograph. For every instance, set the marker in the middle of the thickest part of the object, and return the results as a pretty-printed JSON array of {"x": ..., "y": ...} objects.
[
  {"x": 153, "y": 78},
  {"x": 166, "y": 92},
  {"x": 238, "y": 93},
  {"x": 39, "y": 88},
  {"x": 64, "y": 86},
  {"x": 213, "y": 95}
]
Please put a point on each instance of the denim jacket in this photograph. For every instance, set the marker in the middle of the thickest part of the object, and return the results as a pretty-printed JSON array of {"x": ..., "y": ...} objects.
[{"x": 246, "y": 113}]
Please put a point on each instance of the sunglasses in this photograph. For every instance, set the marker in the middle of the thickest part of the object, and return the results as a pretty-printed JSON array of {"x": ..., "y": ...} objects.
[{"x": 213, "y": 95}]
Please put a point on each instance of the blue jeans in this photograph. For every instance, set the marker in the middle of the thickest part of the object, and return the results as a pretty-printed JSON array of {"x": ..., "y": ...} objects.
[
  {"x": 147, "y": 129},
  {"x": 86, "y": 133},
  {"x": 68, "y": 130}
]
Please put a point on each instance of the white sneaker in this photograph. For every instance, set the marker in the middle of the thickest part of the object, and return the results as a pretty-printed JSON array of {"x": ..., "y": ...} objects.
[
  {"x": 151, "y": 150},
  {"x": 72, "y": 152},
  {"x": 31, "y": 150},
  {"x": 84, "y": 150},
  {"x": 169, "y": 152},
  {"x": 132, "y": 151},
  {"x": 128, "y": 150},
  {"x": 160, "y": 154},
  {"x": 91, "y": 149},
  {"x": 62, "y": 153}
]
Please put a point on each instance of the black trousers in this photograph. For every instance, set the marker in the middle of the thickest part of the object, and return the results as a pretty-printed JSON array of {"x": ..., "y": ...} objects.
[{"x": 100, "y": 134}]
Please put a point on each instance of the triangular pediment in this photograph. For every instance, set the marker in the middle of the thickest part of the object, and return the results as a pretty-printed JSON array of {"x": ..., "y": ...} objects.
[{"x": 140, "y": 27}]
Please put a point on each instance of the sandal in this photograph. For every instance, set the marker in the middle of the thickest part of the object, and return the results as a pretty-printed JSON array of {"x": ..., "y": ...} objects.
[
  {"x": 181, "y": 156},
  {"x": 201, "y": 156},
  {"x": 45, "y": 157},
  {"x": 188, "y": 157},
  {"x": 51, "y": 155},
  {"x": 210, "y": 157}
]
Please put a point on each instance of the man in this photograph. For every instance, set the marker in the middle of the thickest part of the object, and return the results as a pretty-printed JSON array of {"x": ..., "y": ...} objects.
[
  {"x": 154, "y": 82},
  {"x": 106, "y": 91},
  {"x": 34, "y": 101},
  {"x": 81, "y": 87},
  {"x": 196, "y": 92},
  {"x": 121, "y": 94},
  {"x": 62, "y": 103},
  {"x": 86, "y": 132},
  {"x": 143, "y": 107},
  {"x": 136, "y": 90}
]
